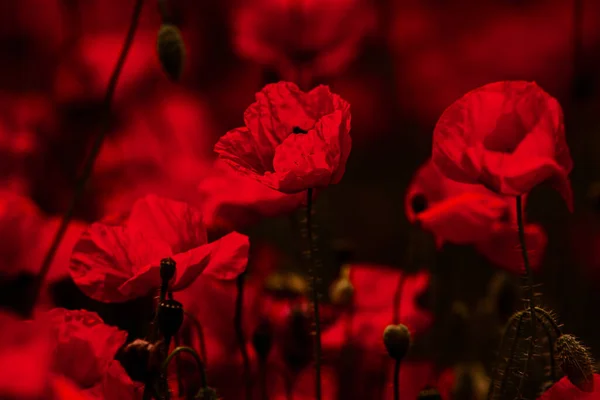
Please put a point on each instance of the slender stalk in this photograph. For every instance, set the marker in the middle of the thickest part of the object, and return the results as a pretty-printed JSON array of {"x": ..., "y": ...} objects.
[
  {"x": 200, "y": 333},
  {"x": 95, "y": 150},
  {"x": 239, "y": 333},
  {"x": 396, "y": 379},
  {"x": 529, "y": 284},
  {"x": 314, "y": 295},
  {"x": 200, "y": 365}
]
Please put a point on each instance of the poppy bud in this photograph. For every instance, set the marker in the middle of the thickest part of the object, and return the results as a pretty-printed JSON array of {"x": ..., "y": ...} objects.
[
  {"x": 262, "y": 339},
  {"x": 341, "y": 292},
  {"x": 167, "y": 269},
  {"x": 429, "y": 393},
  {"x": 139, "y": 358},
  {"x": 576, "y": 362},
  {"x": 171, "y": 51},
  {"x": 170, "y": 317},
  {"x": 396, "y": 339}
]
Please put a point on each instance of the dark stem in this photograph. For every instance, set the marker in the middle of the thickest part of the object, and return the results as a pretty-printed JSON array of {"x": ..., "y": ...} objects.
[
  {"x": 550, "y": 348},
  {"x": 263, "y": 380},
  {"x": 163, "y": 9},
  {"x": 396, "y": 379},
  {"x": 179, "y": 370},
  {"x": 90, "y": 160},
  {"x": 518, "y": 318},
  {"x": 199, "y": 364},
  {"x": 529, "y": 284},
  {"x": 577, "y": 38},
  {"x": 314, "y": 277},
  {"x": 239, "y": 333}
]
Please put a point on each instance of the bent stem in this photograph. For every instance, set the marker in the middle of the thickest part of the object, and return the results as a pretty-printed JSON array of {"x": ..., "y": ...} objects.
[
  {"x": 314, "y": 277},
  {"x": 529, "y": 284},
  {"x": 200, "y": 365},
  {"x": 95, "y": 150},
  {"x": 239, "y": 333}
]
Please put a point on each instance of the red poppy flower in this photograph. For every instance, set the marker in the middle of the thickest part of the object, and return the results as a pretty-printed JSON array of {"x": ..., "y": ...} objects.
[
  {"x": 463, "y": 213},
  {"x": 115, "y": 263},
  {"x": 26, "y": 235},
  {"x": 508, "y": 136},
  {"x": 564, "y": 389},
  {"x": 231, "y": 202},
  {"x": 321, "y": 36},
  {"x": 292, "y": 140}
]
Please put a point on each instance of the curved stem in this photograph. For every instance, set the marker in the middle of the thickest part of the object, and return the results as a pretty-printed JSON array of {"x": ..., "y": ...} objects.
[
  {"x": 239, "y": 333},
  {"x": 200, "y": 332},
  {"x": 529, "y": 276},
  {"x": 184, "y": 349},
  {"x": 314, "y": 277},
  {"x": 396, "y": 379},
  {"x": 95, "y": 150},
  {"x": 519, "y": 320}
]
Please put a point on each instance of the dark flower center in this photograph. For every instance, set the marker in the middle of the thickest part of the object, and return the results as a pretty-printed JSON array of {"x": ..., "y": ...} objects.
[
  {"x": 419, "y": 203},
  {"x": 298, "y": 130}
]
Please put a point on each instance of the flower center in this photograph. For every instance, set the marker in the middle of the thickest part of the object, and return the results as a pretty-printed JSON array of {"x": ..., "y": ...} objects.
[
  {"x": 298, "y": 130},
  {"x": 419, "y": 203},
  {"x": 510, "y": 130}
]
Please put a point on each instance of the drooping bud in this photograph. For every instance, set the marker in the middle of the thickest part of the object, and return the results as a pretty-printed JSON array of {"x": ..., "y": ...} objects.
[
  {"x": 262, "y": 339},
  {"x": 396, "y": 339},
  {"x": 429, "y": 393},
  {"x": 576, "y": 362},
  {"x": 341, "y": 292},
  {"x": 139, "y": 358},
  {"x": 171, "y": 51}
]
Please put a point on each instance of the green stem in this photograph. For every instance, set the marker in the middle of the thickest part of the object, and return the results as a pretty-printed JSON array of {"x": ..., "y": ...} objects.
[
  {"x": 95, "y": 150},
  {"x": 531, "y": 302},
  {"x": 239, "y": 333},
  {"x": 396, "y": 379},
  {"x": 314, "y": 277}
]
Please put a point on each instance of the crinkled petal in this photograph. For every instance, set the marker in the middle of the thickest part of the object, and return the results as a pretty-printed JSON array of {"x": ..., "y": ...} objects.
[
  {"x": 238, "y": 149},
  {"x": 463, "y": 219},
  {"x": 335, "y": 130}
]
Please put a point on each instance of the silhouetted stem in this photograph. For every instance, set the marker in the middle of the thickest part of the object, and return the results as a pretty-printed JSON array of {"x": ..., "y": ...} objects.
[
  {"x": 314, "y": 277},
  {"x": 95, "y": 150},
  {"x": 396, "y": 379},
  {"x": 200, "y": 332},
  {"x": 529, "y": 276},
  {"x": 518, "y": 320},
  {"x": 200, "y": 365},
  {"x": 239, "y": 333},
  {"x": 179, "y": 370}
]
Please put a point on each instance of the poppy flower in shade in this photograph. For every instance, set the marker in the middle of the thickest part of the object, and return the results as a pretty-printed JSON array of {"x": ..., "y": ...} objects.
[
  {"x": 231, "y": 202},
  {"x": 292, "y": 140},
  {"x": 470, "y": 214},
  {"x": 116, "y": 263},
  {"x": 564, "y": 389},
  {"x": 508, "y": 136},
  {"x": 319, "y": 36},
  {"x": 26, "y": 234}
]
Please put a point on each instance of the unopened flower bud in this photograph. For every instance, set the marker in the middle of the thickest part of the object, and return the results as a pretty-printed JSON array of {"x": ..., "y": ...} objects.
[
  {"x": 171, "y": 50},
  {"x": 341, "y": 292},
  {"x": 429, "y": 393},
  {"x": 576, "y": 362},
  {"x": 167, "y": 269},
  {"x": 396, "y": 339}
]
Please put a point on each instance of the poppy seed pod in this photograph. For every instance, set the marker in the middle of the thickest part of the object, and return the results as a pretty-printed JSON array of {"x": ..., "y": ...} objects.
[
  {"x": 341, "y": 292},
  {"x": 396, "y": 339},
  {"x": 576, "y": 362},
  {"x": 170, "y": 317},
  {"x": 171, "y": 51},
  {"x": 429, "y": 393},
  {"x": 167, "y": 269}
]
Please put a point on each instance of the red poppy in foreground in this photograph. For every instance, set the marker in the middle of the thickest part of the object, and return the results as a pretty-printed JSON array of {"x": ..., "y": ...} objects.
[
  {"x": 231, "y": 202},
  {"x": 469, "y": 214},
  {"x": 508, "y": 136},
  {"x": 292, "y": 140},
  {"x": 565, "y": 390},
  {"x": 116, "y": 263}
]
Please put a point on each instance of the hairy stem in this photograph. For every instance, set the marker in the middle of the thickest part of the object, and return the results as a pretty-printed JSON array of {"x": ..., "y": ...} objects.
[
  {"x": 530, "y": 291},
  {"x": 239, "y": 333},
  {"x": 95, "y": 150},
  {"x": 314, "y": 277}
]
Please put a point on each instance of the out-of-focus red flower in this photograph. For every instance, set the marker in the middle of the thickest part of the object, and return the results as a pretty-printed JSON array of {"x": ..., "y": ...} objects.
[
  {"x": 292, "y": 140},
  {"x": 115, "y": 263},
  {"x": 321, "y": 36},
  {"x": 231, "y": 202},
  {"x": 463, "y": 213},
  {"x": 564, "y": 389},
  {"x": 508, "y": 136},
  {"x": 26, "y": 235},
  {"x": 25, "y": 357}
]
